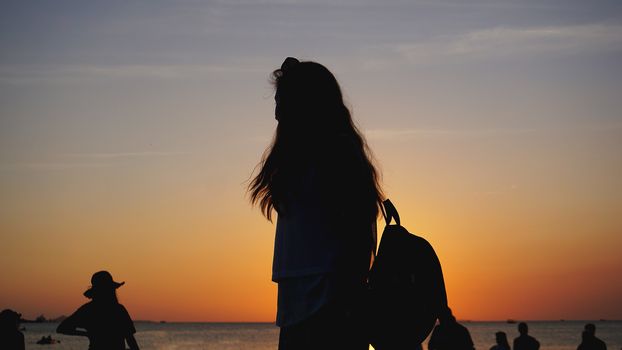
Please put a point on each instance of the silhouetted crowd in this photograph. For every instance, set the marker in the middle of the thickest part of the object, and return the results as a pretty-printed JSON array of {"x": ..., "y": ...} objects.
[
  {"x": 524, "y": 341},
  {"x": 450, "y": 335}
]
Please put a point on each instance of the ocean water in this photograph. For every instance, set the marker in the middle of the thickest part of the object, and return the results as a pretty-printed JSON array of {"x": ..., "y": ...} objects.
[{"x": 557, "y": 335}]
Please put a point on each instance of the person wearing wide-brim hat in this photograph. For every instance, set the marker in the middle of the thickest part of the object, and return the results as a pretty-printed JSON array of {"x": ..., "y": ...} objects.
[
  {"x": 10, "y": 336},
  {"x": 101, "y": 282},
  {"x": 103, "y": 320}
]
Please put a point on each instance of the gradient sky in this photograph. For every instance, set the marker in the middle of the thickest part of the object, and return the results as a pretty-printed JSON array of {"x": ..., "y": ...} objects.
[{"x": 129, "y": 129}]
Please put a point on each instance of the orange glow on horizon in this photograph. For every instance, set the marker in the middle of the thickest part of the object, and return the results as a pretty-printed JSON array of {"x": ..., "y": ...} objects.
[{"x": 127, "y": 146}]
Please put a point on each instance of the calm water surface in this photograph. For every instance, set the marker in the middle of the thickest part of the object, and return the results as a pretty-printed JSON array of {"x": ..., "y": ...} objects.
[{"x": 263, "y": 336}]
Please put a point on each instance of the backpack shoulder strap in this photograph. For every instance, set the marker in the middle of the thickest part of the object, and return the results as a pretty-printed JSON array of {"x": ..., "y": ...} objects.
[{"x": 390, "y": 212}]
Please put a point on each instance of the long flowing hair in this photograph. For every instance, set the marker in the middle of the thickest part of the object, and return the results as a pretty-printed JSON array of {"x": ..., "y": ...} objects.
[{"x": 315, "y": 128}]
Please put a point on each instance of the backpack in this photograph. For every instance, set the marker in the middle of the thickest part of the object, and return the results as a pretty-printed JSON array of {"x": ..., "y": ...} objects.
[{"x": 406, "y": 287}]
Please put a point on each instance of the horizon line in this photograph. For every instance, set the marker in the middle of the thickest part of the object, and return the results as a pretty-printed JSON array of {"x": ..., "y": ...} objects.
[{"x": 459, "y": 320}]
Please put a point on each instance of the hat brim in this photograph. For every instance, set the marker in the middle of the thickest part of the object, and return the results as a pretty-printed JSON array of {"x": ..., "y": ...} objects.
[{"x": 89, "y": 292}]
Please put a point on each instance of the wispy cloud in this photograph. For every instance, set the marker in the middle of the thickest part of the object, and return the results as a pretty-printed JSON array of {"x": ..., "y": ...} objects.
[
  {"x": 409, "y": 133},
  {"x": 124, "y": 154},
  {"x": 164, "y": 70},
  {"x": 54, "y": 165},
  {"x": 88, "y": 160},
  {"x": 504, "y": 42},
  {"x": 400, "y": 134},
  {"x": 24, "y": 74}
]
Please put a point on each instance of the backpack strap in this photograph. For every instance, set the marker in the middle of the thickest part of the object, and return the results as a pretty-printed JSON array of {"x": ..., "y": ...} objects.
[{"x": 390, "y": 212}]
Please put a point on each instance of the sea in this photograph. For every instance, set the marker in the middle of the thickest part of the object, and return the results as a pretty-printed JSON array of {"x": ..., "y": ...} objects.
[{"x": 557, "y": 335}]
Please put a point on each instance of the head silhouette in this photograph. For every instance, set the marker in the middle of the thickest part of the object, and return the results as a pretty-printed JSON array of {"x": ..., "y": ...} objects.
[
  {"x": 308, "y": 100},
  {"x": 502, "y": 339},
  {"x": 522, "y": 328},
  {"x": 312, "y": 121},
  {"x": 590, "y": 329},
  {"x": 103, "y": 287},
  {"x": 9, "y": 320}
]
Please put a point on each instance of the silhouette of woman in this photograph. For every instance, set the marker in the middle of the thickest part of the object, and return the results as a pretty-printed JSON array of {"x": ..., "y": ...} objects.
[
  {"x": 319, "y": 178},
  {"x": 103, "y": 320},
  {"x": 502, "y": 342}
]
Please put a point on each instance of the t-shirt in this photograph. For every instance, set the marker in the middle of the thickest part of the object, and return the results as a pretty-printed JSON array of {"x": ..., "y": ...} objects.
[
  {"x": 526, "y": 342},
  {"x": 300, "y": 297},
  {"x": 314, "y": 257},
  {"x": 107, "y": 324},
  {"x": 307, "y": 240},
  {"x": 324, "y": 234},
  {"x": 324, "y": 207}
]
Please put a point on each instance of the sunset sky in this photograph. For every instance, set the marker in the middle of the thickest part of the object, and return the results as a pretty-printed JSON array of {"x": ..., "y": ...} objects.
[{"x": 129, "y": 130}]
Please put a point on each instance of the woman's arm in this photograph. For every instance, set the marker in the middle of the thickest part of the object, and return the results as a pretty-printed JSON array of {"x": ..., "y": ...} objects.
[
  {"x": 129, "y": 328},
  {"x": 69, "y": 326},
  {"x": 131, "y": 342}
]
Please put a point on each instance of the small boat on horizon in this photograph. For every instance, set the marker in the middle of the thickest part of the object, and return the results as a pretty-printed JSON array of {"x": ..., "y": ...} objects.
[{"x": 47, "y": 340}]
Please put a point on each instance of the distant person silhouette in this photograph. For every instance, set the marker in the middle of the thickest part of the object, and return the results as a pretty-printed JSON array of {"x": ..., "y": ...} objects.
[
  {"x": 502, "y": 342},
  {"x": 319, "y": 178},
  {"x": 589, "y": 341},
  {"x": 10, "y": 336},
  {"x": 449, "y": 334},
  {"x": 103, "y": 320},
  {"x": 524, "y": 341}
]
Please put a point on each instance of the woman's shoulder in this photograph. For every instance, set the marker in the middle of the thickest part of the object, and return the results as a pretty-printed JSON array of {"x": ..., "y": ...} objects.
[
  {"x": 124, "y": 311},
  {"x": 86, "y": 307}
]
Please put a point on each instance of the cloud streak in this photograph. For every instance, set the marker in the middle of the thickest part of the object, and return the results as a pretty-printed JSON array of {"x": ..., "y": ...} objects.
[
  {"x": 124, "y": 154},
  {"x": 409, "y": 133},
  {"x": 53, "y": 165},
  {"x": 89, "y": 160},
  {"x": 503, "y": 42},
  {"x": 400, "y": 134},
  {"x": 24, "y": 74}
]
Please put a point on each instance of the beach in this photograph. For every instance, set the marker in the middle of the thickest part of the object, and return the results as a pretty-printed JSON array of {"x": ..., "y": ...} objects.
[{"x": 553, "y": 335}]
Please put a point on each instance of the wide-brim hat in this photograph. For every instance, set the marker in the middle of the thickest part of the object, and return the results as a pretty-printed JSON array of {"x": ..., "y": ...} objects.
[{"x": 101, "y": 281}]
